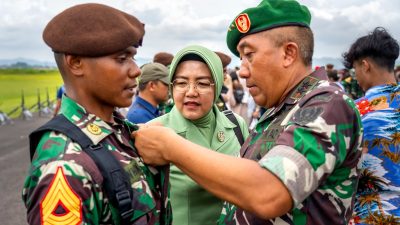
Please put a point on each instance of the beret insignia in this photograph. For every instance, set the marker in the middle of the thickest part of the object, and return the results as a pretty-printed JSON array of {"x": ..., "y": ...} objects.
[
  {"x": 269, "y": 14},
  {"x": 243, "y": 23}
]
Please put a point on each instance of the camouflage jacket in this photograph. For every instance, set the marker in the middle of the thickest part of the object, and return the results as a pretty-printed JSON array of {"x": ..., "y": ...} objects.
[
  {"x": 318, "y": 131},
  {"x": 64, "y": 185}
]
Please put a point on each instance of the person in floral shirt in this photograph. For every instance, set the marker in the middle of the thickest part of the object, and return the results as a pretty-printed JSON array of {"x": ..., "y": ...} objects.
[{"x": 378, "y": 195}]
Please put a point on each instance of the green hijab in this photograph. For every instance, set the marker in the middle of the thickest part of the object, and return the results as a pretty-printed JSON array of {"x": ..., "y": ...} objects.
[{"x": 210, "y": 58}]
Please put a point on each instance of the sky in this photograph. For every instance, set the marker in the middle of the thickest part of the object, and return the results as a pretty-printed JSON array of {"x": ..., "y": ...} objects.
[{"x": 173, "y": 24}]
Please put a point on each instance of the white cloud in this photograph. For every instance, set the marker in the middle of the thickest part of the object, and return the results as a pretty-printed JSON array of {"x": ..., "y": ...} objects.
[
  {"x": 337, "y": 24},
  {"x": 173, "y": 24}
]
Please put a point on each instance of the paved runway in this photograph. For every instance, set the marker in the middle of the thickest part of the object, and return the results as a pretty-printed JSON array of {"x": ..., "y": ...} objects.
[{"x": 14, "y": 162}]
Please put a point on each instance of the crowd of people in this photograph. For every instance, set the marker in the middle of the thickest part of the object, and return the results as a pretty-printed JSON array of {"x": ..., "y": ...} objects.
[{"x": 275, "y": 140}]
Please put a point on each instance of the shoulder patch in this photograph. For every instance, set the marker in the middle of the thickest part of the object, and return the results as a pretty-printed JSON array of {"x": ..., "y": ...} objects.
[
  {"x": 61, "y": 205},
  {"x": 303, "y": 116}
]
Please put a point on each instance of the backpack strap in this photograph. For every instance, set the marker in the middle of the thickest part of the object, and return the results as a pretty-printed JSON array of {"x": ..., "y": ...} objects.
[
  {"x": 229, "y": 114},
  {"x": 116, "y": 181}
]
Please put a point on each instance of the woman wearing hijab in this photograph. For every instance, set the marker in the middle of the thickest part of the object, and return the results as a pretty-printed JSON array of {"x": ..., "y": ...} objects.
[{"x": 196, "y": 76}]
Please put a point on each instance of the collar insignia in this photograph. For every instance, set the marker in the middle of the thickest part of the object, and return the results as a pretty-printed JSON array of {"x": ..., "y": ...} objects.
[
  {"x": 93, "y": 129},
  {"x": 307, "y": 84}
]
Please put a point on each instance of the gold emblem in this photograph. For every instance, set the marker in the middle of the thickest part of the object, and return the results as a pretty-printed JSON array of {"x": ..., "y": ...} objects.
[
  {"x": 93, "y": 129},
  {"x": 221, "y": 136},
  {"x": 60, "y": 205},
  {"x": 243, "y": 23}
]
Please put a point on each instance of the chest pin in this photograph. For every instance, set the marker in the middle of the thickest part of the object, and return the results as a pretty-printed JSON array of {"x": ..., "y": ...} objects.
[
  {"x": 93, "y": 129},
  {"x": 221, "y": 136}
]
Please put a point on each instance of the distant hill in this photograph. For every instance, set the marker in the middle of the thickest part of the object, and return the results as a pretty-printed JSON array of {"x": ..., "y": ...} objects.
[
  {"x": 337, "y": 62},
  {"x": 32, "y": 63},
  {"x": 29, "y": 62}
]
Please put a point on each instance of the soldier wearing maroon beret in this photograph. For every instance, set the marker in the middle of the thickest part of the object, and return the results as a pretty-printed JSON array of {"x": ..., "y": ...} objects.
[
  {"x": 299, "y": 164},
  {"x": 226, "y": 99},
  {"x": 94, "y": 47},
  {"x": 164, "y": 58}
]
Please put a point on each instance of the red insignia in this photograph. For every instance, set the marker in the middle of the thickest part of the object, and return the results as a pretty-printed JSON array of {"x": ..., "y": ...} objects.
[{"x": 243, "y": 23}]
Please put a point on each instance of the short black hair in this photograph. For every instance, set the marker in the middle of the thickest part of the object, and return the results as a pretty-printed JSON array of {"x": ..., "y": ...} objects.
[{"x": 379, "y": 46}]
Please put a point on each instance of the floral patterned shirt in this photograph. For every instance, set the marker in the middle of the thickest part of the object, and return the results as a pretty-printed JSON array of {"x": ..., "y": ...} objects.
[{"x": 378, "y": 194}]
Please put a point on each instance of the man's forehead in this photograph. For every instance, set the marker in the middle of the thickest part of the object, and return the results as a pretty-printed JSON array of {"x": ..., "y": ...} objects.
[{"x": 130, "y": 50}]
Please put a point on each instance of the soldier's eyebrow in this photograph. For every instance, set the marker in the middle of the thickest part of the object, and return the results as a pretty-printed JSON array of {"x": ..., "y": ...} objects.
[{"x": 242, "y": 45}]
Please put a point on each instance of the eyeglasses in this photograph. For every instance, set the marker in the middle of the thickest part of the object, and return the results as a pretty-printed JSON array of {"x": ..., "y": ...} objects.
[{"x": 201, "y": 86}]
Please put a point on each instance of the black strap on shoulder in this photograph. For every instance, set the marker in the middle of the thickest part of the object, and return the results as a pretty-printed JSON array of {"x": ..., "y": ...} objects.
[
  {"x": 229, "y": 114},
  {"x": 116, "y": 181},
  {"x": 60, "y": 124}
]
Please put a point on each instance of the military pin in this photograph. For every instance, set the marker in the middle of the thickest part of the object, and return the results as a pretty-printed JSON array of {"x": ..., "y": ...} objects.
[
  {"x": 221, "y": 136},
  {"x": 93, "y": 129}
]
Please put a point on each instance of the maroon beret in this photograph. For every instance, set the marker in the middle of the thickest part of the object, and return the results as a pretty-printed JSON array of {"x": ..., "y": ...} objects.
[
  {"x": 164, "y": 58},
  {"x": 93, "y": 30},
  {"x": 225, "y": 59}
]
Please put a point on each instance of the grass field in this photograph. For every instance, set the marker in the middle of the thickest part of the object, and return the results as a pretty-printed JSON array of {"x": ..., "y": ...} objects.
[{"x": 29, "y": 81}]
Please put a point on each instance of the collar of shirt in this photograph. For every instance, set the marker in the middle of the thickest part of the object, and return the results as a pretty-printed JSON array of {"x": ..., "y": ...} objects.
[
  {"x": 381, "y": 90},
  {"x": 300, "y": 90},
  {"x": 94, "y": 127},
  {"x": 149, "y": 107}
]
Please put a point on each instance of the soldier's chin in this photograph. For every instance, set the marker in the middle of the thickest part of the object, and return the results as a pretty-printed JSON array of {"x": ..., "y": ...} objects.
[{"x": 124, "y": 104}]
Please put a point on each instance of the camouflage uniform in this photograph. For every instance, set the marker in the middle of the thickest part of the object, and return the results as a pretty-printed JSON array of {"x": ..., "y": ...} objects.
[
  {"x": 64, "y": 186},
  {"x": 321, "y": 175},
  {"x": 352, "y": 87}
]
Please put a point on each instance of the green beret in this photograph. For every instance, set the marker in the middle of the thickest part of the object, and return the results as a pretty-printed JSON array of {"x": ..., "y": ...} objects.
[
  {"x": 267, "y": 15},
  {"x": 93, "y": 30}
]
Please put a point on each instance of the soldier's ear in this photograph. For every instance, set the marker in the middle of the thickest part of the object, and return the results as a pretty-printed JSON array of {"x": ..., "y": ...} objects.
[
  {"x": 74, "y": 64},
  {"x": 290, "y": 53}
]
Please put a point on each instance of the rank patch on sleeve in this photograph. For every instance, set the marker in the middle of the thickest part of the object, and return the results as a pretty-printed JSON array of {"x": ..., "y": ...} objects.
[{"x": 61, "y": 205}]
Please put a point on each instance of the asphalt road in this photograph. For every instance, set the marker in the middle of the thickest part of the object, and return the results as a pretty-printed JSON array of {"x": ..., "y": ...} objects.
[{"x": 14, "y": 163}]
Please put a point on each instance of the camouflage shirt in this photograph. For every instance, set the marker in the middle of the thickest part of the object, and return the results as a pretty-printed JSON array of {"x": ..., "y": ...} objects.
[
  {"x": 64, "y": 185},
  {"x": 311, "y": 142}
]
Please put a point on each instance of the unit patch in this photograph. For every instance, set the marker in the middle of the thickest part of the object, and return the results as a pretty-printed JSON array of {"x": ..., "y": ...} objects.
[{"x": 307, "y": 115}]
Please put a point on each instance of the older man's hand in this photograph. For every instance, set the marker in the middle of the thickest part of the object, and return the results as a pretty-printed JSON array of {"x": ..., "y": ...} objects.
[{"x": 152, "y": 142}]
